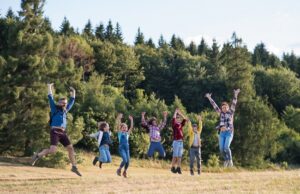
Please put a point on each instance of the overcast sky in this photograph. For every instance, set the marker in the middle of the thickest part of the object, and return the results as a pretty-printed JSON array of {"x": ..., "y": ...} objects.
[{"x": 274, "y": 22}]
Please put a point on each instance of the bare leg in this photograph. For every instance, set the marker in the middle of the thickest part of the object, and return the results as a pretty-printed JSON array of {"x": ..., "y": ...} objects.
[
  {"x": 178, "y": 162},
  {"x": 45, "y": 152},
  {"x": 174, "y": 161},
  {"x": 71, "y": 154}
]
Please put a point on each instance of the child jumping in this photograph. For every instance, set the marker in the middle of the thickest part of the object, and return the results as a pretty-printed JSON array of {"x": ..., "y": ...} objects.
[
  {"x": 154, "y": 133},
  {"x": 225, "y": 126},
  {"x": 123, "y": 136},
  {"x": 194, "y": 133},
  {"x": 177, "y": 125},
  {"x": 104, "y": 141}
]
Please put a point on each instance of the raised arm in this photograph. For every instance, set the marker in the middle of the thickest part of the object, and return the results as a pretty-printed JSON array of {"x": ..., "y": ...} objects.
[
  {"x": 164, "y": 122},
  {"x": 200, "y": 124},
  {"x": 144, "y": 123},
  {"x": 184, "y": 117},
  {"x": 118, "y": 122},
  {"x": 72, "y": 99},
  {"x": 50, "y": 97},
  {"x": 131, "y": 124},
  {"x": 234, "y": 100},
  {"x": 212, "y": 102}
]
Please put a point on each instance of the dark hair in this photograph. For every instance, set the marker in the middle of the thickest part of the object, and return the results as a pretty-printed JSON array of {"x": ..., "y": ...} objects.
[
  {"x": 102, "y": 125},
  {"x": 224, "y": 104},
  {"x": 150, "y": 122}
]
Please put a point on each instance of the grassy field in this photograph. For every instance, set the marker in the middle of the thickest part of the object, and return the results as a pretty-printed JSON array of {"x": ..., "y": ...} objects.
[{"x": 143, "y": 178}]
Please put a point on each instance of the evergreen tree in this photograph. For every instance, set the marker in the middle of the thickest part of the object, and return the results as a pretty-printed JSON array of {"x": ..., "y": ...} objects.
[
  {"x": 260, "y": 55},
  {"x": 161, "y": 42},
  {"x": 118, "y": 33},
  {"x": 139, "y": 39},
  {"x": 192, "y": 48},
  {"x": 202, "y": 48},
  {"x": 66, "y": 28},
  {"x": 176, "y": 43},
  {"x": 109, "y": 32},
  {"x": 150, "y": 43},
  {"x": 88, "y": 30},
  {"x": 99, "y": 33}
]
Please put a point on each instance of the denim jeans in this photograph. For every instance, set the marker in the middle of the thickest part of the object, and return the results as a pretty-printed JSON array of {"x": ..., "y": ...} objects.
[
  {"x": 104, "y": 154},
  {"x": 124, "y": 153},
  {"x": 225, "y": 138},
  {"x": 195, "y": 153},
  {"x": 177, "y": 148},
  {"x": 156, "y": 146}
]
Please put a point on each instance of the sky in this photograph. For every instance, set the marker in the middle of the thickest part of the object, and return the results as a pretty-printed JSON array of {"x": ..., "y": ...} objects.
[{"x": 273, "y": 22}]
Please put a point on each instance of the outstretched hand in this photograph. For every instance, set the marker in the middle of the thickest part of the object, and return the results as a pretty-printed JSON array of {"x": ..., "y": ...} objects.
[
  {"x": 120, "y": 116},
  {"x": 165, "y": 113},
  {"x": 130, "y": 117},
  {"x": 208, "y": 95},
  {"x": 236, "y": 92},
  {"x": 72, "y": 89},
  {"x": 199, "y": 117},
  {"x": 143, "y": 114},
  {"x": 50, "y": 84}
]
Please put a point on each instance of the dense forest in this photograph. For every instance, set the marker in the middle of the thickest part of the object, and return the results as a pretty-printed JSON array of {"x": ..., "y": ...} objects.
[{"x": 111, "y": 76}]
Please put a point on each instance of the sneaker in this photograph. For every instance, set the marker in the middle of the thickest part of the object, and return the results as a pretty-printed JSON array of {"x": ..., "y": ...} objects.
[
  {"x": 124, "y": 174},
  {"x": 100, "y": 164},
  {"x": 225, "y": 163},
  {"x": 35, "y": 158},
  {"x": 192, "y": 172},
  {"x": 178, "y": 170},
  {"x": 96, "y": 159},
  {"x": 230, "y": 163},
  {"x": 75, "y": 170},
  {"x": 119, "y": 172},
  {"x": 173, "y": 170},
  {"x": 199, "y": 171}
]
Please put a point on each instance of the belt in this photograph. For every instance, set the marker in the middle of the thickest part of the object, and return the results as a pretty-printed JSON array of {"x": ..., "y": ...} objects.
[{"x": 195, "y": 146}]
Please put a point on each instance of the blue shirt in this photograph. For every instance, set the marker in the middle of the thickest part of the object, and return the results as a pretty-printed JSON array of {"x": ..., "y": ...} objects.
[{"x": 59, "y": 116}]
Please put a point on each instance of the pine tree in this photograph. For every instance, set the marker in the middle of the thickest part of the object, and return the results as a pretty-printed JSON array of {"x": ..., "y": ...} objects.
[
  {"x": 109, "y": 32},
  {"x": 192, "y": 48},
  {"x": 176, "y": 43},
  {"x": 66, "y": 28},
  {"x": 161, "y": 42},
  {"x": 202, "y": 48},
  {"x": 150, "y": 43},
  {"x": 118, "y": 33},
  {"x": 99, "y": 33},
  {"x": 139, "y": 39},
  {"x": 214, "y": 52},
  {"x": 260, "y": 55},
  {"x": 88, "y": 30}
]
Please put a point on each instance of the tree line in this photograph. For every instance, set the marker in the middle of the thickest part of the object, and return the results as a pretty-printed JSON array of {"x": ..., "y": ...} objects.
[{"x": 111, "y": 76}]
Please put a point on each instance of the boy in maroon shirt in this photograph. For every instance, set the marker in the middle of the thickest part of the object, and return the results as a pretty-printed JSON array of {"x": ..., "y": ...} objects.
[{"x": 178, "y": 123}]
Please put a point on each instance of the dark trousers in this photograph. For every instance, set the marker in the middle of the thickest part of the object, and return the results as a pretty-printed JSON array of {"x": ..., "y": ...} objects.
[{"x": 195, "y": 152}]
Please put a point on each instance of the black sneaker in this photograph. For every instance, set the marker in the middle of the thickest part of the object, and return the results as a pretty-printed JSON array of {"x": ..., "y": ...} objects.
[
  {"x": 96, "y": 159},
  {"x": 199, "y": 171},
  {"x": 178, "y": 170},
  {"x": 75, "y": 170},
  {"x": 35, "y": 158},
  {"x": 192, "y": 172},
  {"x": 119, "y": 172},
  {"x": 100, "y": 164},
  {"x": 173, "y": 170}
]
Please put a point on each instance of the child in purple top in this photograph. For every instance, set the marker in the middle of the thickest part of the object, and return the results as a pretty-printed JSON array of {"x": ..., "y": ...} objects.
[{"x": 154, "y": 132}]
